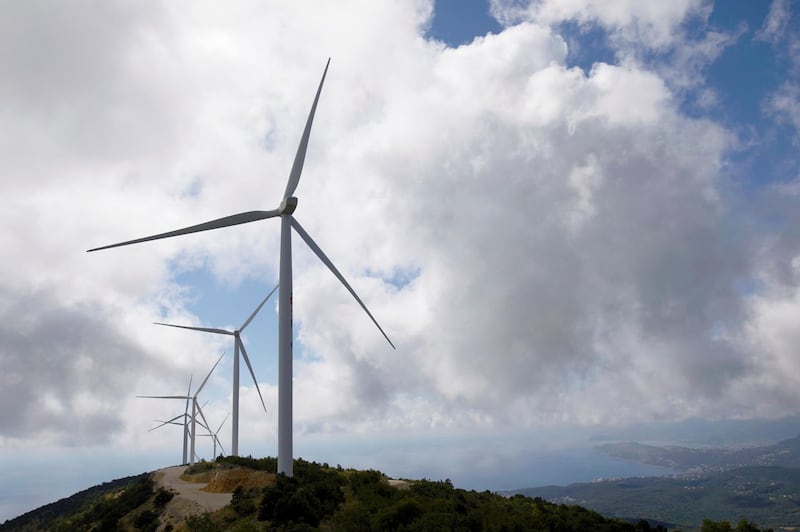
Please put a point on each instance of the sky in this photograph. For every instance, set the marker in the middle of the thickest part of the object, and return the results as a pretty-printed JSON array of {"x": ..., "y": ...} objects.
[{"x": 575, "y": 219}]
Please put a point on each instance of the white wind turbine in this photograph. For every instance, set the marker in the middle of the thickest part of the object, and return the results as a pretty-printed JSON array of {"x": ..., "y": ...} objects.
[
  {"x": 185, "y": 424},
  {"x": 214, "y": 435},
  {"x": 195, "y": 408},
  {"x": 284, "y": 211},
  {"x": 211, "y": 433},
  {"x": 238, "y": 345}
]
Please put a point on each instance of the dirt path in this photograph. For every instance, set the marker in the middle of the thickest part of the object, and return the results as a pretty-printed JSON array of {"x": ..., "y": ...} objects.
[{"x": 189, "y": 498}]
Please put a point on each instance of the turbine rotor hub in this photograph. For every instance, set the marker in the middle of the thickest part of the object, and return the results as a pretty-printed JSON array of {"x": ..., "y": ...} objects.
[{"x": 288, "y": 205}]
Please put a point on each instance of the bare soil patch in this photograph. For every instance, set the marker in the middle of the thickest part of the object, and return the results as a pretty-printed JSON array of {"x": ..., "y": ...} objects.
[
  {"x": 227, "y": 480},
  {"x": 190, "y": 498}
]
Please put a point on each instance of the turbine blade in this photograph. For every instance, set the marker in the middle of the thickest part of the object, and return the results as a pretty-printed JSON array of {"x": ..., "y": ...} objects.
[
  {"x": 165, "y": 423},
  {"x": 171, "y": 421},
  {"x": 252, "y": 373},
  {"x": 188, "y": 393},
  {"x": 324, "y": 258},
  {"x": 221, "y": 448},
  {"x": 203, "y": 329},
  {"x": 207, "y": 376},
  {"x": 299, "y": 158},
  {"x": 161, "y": 396},
  {"x": 236, "y": 219},
  {"x": 253, "y": 315},
  {"x": 204, "y": 423},
  {"x": 223, "y": 422}
]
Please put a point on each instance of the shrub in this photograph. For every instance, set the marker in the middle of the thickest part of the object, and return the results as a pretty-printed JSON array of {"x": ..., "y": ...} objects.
[
  {"x": 243, "y": 501},
  {"x": 200, "y": 523},
  {"x": 162, "y": 498},
  {"x": 146, "y": 520}
]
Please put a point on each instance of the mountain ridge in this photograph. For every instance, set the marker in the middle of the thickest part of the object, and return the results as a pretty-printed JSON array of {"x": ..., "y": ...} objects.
[
  {"x": 317, "y": 497},
  {"x": 785, "y": 453}
]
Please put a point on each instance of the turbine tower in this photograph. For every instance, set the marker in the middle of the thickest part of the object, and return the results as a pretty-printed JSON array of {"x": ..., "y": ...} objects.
[
  {"x": 285, "y": 211},
  {"x": 195, "y": 407},
  {"x": 237, "y": 346}
]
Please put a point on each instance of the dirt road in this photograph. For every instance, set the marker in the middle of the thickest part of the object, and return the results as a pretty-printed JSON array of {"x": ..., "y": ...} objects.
[{"x": 189, "y": 499}]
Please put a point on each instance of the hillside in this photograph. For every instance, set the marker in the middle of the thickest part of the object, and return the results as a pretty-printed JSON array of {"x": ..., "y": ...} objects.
[
  {"x": 319, "y": 497},
  {"x": 784, "y": 454},
  {"x": 767, "y": 495},
  {"x": 103, "y": 504}
]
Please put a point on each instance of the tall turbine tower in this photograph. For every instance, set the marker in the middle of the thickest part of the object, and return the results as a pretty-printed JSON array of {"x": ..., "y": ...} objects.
[
  {"x": 238, "y": 345},
  {"x": 284, "y": 211}
]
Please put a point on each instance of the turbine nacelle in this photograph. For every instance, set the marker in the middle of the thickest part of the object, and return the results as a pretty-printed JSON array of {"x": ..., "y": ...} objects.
[{"x": 288, "y": 205}]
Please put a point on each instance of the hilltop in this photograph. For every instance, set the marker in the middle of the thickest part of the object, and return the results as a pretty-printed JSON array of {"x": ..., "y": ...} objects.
[
  {"x": 319, "y": 497},
  {"x": 245, "y": 494}
]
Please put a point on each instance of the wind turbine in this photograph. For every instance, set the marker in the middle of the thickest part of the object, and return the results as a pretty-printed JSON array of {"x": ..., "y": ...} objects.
[
  {"x": 185, "y": 424},
  {"x": 284, "y": 211},
  {"x": 237, "y": 346},
  {"x": 195, "y": 408},
  {"x": 214, "y": 435},
  {"x": 211, "y": 433}
]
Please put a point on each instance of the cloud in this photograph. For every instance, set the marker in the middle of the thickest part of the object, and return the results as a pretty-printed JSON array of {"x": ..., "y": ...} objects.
[
  {"x": 552, "y": 216},
  {"x": 784, "y": 106},
  {"x": 66, "y": 371},
  {"x": 647, "y": 24},
  {"x": 544, "y": 244},
  {"x": 674, "y": 40},
  {"x": 775, "y": 24},
  {"x": 782, "y": 103}
]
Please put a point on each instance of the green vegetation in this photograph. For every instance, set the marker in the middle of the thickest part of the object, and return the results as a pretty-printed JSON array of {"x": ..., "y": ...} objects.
[
  {"x": 724, "y": 526},
  {"x": 320, "y": 497},
  {"x": 268, "y": 464},
  {"x": 101, "y": 505},
  {"x": 162, "y": 498},
  {"x": 767, "y": 495},
  {"x": 313, "y": 494}
]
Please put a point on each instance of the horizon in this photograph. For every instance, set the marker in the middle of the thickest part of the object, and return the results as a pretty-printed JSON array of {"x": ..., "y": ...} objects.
[{"x": 575, "y": 221}]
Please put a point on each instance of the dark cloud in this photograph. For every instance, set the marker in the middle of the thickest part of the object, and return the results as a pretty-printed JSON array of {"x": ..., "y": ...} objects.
[{"x": 67, "y": 369}]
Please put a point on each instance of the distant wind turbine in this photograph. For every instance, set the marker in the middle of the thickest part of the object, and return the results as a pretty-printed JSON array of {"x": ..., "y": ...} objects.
[
  {"x": 214, "y": 435},
  {"x": 195, "y": 408},
  {"x": 210, "y": 434},
  {"x": 284, "y": 211},
  {"x": 237, "y": 346},
  {"x": 185, "y": 424}
]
